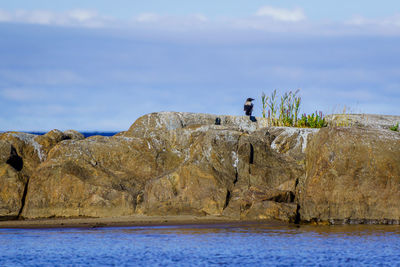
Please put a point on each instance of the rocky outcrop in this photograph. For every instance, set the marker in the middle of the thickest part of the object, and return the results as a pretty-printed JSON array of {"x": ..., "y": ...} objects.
[
  {"x": 200, "y": 184},
  {"x": 269, "y": 167},
  {"x": 352, "y": 176},
  {"x": 12, "y": 183},
  {"x": 171, "y": 163},
  {"x": 362, "y": 120},
  {"x": 20, "y": 155}
]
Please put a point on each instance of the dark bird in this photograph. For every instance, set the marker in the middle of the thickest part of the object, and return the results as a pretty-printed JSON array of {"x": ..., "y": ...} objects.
[{"x": 248, "y": 106}]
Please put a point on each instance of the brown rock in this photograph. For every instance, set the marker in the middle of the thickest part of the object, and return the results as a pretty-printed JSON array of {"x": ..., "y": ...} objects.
[
  {"x": 264, "y": 174},
  {"x": 147, "y": 125},
  {"x": 12, "y": 182},
  {"x": 353, "y": 175},
  {"x": 362, "y": 120},
  {"x": 98, "y": 176},
  {"x": 182, "y": 163},
  {"x": 291, "y": 141},
  {"x": 169, "y": 165},
  {"x": 20, "y": 155},
  {"x": 74, "y": 135},
  {"x": 5, "y": 151},
  {"x": 12, "y": 185},
  {"x": 270, "y": 210},
  {"x": 200, "y": 185},
  {"x": 27, "y": 147}
]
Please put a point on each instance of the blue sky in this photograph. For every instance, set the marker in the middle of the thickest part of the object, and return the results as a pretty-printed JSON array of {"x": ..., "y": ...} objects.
[{"x": 99, "y": 65}]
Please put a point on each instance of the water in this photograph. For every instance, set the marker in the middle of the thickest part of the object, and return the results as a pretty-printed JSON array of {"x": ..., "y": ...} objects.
[
  {"x": 246, "y": 245},
  {"x": 86, "y": 134}
]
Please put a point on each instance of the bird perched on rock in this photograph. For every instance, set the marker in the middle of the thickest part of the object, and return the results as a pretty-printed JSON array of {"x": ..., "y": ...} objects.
[{"x": 248, "y": 106}]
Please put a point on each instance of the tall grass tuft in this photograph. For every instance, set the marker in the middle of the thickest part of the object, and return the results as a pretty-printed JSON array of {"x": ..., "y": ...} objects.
[
  {"x": 342, "y": 118},
  {"x": 289, "y": 108},
  {"x": 264, "y": 100}
]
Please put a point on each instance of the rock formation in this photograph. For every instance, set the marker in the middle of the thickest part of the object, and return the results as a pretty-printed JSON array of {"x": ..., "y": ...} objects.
[
  {"x": 171, "y": 163},
  {"x": 352, "y": 176},
  {"x": 20, "y": 155}
]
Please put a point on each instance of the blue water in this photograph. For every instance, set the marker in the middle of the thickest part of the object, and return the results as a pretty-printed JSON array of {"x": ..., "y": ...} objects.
[
  {"x": 250, "y": 245},
  {"x": 86, "y": 134}
]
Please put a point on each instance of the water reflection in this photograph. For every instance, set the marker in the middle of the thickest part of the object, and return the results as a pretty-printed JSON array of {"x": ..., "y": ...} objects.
[
  {"x": 321, "y": 231},
  {"x": 225, "y": 244}
]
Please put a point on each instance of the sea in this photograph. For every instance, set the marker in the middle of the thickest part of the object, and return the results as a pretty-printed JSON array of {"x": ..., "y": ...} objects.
[
  {"x": 86, "y": 134},
  {"x": 203, "y": 245}
]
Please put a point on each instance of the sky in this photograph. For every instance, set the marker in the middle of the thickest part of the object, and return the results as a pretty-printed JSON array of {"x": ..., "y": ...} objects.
[{"x": 99, "y": 65}]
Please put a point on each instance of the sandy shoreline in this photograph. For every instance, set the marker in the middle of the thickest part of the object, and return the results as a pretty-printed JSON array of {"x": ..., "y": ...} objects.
[{"x": 138, "y": 220}]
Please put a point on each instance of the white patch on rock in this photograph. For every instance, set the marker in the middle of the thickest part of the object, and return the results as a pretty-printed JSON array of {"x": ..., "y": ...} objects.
[
  {"x": 207, "y": 152},
  {"x": 274, "y": 145},
  {"x": 29, "y": 139},
  {"x": 128, "y": 139},
  {"x": 302, "y": 136},
  {"x": 235, "y": 159}
]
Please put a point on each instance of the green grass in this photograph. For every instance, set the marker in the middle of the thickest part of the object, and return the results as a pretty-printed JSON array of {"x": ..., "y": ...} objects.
[
  {"x": 395, "y": 127},
  {"x": 286, "y": 111}
]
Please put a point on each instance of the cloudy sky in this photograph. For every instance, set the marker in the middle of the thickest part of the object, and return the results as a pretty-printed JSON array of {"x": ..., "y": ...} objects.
[{"x": 99, "y": 65}]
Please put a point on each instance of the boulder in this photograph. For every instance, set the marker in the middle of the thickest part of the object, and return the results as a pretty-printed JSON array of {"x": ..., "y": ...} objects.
[
  {"x": 20, "y": 155},
  {"x": 97, "y": 177},
  {"x": 12, "y": 182},
  {"x": 74, "y": 135},
  {"x": 200, "y": 184},
  {"x": 27, "y": 147},
  {"x": 352, "y": 176},
  {"x": 266, "y": 174},
  {"x": 5, "y": 151},
  {"x": 12, "y": 186}
]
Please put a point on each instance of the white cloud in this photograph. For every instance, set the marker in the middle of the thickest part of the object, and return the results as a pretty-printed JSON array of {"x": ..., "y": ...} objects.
[
  {"x": 171, "y": 22},
  {"x": 282, "y": 14},
  {"x": 357, "y": 21},
  {"x": 82, "y": 14},
  {"x": 22, "y": 95},
  {"x": 5, "y": 16},
  {"x": 386, "y": 21},
  {"x": 76, "y": 17},
  {"x": 148, "y": 17},
  {"x": 389, "y": 26},
  {"x": 267, "y": 19},
  {"x": 42, "y": 77},
  {"x": 200, "y": 17}
]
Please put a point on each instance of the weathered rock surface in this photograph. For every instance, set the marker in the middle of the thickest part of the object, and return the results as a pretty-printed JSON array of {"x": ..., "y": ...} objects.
[
  {"x": 146, "y": 125},
  {"x": 20, "y": 155},
  {"x": 172, "y": 163},
  {"x": 200, "y": 184},
  {"x": 19, "y": 158},
  {"x": 352, "y": 175},
  {"x": 363, "y": 120},
  {"x": 12, "y": 183},
  {"x": 98, "y": 176},
  {"x": 265, "y": 174}
]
